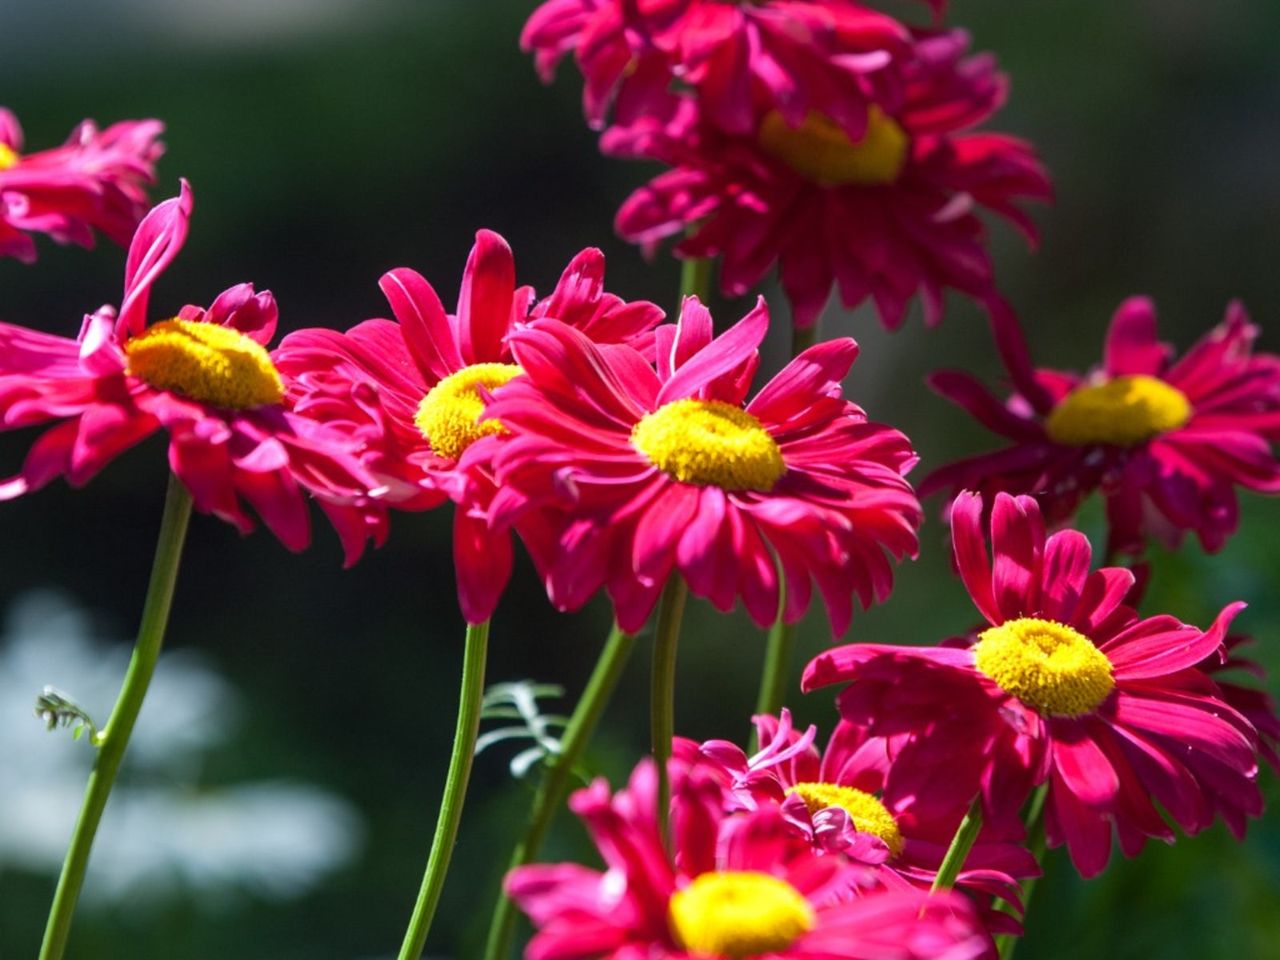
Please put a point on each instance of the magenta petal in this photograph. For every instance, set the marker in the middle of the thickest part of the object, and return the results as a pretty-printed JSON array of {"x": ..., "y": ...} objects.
[
  {"x": 734, "y": 347},
  {"x": 157, "y": 241},
  {"x": 423, "y": 322},
  {"x": 970, "y": 547},
  {"x": 485, "y": 301},
  {"x": 1154, "y": 652},
  {"x": 1131, "y": 346}
]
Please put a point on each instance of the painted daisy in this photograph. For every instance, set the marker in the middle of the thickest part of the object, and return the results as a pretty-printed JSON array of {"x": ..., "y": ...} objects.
[
  {"x": 1116, "y": 713},
  {"x": 666, "y": 472},
  {"x": 204, "y": 375},
  {"x": 1166, "y": 442}
]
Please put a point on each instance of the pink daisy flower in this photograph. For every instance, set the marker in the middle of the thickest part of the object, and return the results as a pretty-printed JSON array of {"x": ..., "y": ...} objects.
[
  {"x": 737, "y": 887},
  {"x": 204, "y": 375},
  {"x": 852, "y": 799},
  {"x": 1115, "y": 704},
  {"x": 886, "y": 214},
  {"x": 410, "y": 394},
  {"x": 96, "y": 181},
  {"x": 666, "y": 472},
  {"x": 835, "y": 57},
  {"x": 1165, "y": 441}
]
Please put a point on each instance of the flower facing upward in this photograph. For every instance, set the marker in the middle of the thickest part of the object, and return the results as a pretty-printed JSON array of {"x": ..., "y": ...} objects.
[
  {"x": 1165, "y": 441},
  {"x": 411, "y": 394},
  {"x": 853, "y": 800},
  {"x": 1118, "y": 711},
  {"x": 665, "y": 473},
  {"x": 835, "y": 56},
  {"x": 96, "y": 181},
  {"x": 883, "y": 213},
  {"x": 204, "y": 375},
  {"x": 739, "y": 886}
]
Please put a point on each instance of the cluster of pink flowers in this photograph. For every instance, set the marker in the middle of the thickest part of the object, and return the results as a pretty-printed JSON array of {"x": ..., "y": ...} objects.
[
  {"x": 824, "y": 138},
  {"x": 629, "y": 453}
]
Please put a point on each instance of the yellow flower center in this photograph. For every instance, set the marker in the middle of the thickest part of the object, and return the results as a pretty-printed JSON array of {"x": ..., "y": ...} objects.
[
  {"x": 868, "y": 814},
  {"x": 207, "y": 362},
  {"x": 449, "y": 415},
  {"x": 820, "y": 151},
  {"x": 8, "y": 156},
  {"x": 1123, "y": 412},
  {"x": 711, "y": 444},
  {"x": 1046, "y": 665},
  {"x": 738, "y": 914}
]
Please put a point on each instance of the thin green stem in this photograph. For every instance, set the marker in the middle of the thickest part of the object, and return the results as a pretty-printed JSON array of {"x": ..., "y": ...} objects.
[
  {"x": 1008, "y": 942},
  {"x": 113, "y": 740},
  {"x": 455, "y": 790},
  {"x": 781, "y": 644},
  {"x": 695, "y": 278},
  {"x": 662, "y": 699},
  {"x": 961, "y": 844},
  {"x": 557, "y": 778},
  {"x": 777, "y": 661}
]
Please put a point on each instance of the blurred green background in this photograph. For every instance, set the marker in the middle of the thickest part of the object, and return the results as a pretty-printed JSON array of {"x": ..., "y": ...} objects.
[{"x": 330, "y": 140}]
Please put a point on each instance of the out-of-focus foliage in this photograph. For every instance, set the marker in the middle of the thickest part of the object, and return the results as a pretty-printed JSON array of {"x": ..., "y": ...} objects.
[{"x": 330, "y": 140}]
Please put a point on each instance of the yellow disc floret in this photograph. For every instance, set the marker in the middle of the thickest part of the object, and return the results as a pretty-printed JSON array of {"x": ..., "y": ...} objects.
[
  {"x": 1045, "y": 664},
  {"x": 207, "y": 362},
  {"x": 868, "y": 814},
  {"x": 711, "y": 444},
  {"x": 8, "y": 156},
  {"x": 449, "y": 415},
  {"x": 738, "y": 914},
  {"x": 1123, "y": 412},
  {"x": 820, "y": 151}
]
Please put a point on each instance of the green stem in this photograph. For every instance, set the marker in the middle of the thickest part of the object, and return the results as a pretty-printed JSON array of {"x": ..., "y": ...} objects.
[
  {"x": 1008, "y": 942},
  {"x": 961, "y": 844},
  {"x": 662, "y": 700},
  {"x": 781, "y": 644},
  {"x": 777, "y": 661},
  {"x": 695, "y": 278},
  {"x": 557, "y": 777},
  {"x": 455, "y": 790},
  {"x": 113, "y": 740}
]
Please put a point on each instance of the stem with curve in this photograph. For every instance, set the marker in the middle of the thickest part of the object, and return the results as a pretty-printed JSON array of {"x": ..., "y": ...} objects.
[
  {"x": 113, "y": 740},
  {"x": 557, "y": 777},
  {"x": 455, "y": 790}
]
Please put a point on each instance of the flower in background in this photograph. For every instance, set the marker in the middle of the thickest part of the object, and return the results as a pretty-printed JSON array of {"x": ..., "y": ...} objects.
[
  {"x": 853, "y": 799},
  {"x": 667, "y": 473},
  {"x": 735, "y": 887},
  {"x": 1119, "y": 712},
  {"x": 835, "y": 57},
  {"x": 883, "y": 214},
  {"x": 204, "y": 375},
  {"x": 97, "y": 180},
  {"x": 166, "y": 832},
  {"x": 1165, "y": 441},
  {"x": 411, "y": 394}
]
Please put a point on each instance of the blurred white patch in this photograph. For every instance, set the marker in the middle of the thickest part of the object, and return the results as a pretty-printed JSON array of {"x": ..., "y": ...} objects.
[{"x": 161, "y": 833}]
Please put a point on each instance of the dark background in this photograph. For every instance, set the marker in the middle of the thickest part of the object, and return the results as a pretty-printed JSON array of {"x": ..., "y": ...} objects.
[{"x": 331, "y": 140}]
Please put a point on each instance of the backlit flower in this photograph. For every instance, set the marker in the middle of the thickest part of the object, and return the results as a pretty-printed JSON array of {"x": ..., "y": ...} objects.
[
  {"x": 736, "y": 887},
  {"x": 1166, "y": 442},
  {"x": 853, "y": 799},
  {"x": 884, "y": 214},
  {"x": 96, "y": 181},
  {"x": 411, "y": 393},
  {"x": 1115, "y": 705},
  {"x": 667, "y": 473},
  {"x": 204, "y": 375},
  {"x": 791, "y": 55}
]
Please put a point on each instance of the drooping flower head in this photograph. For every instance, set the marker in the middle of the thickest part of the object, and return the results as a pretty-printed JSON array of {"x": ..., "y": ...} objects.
[
  {"x": 204, "y": 375},
  {"x": 737, "y": 887},
  {"x": 1166, "y": 442},
  {"x": 835, "y": 56},
  {"x": 411, "y": 394},
  {"x": 666, "y": 473},
  {"x": 884, "y": 214},
  {"x": 97, "y": 180},
  {"x": 853, "y": 799},
  {"x": 1117, "y": 711}
]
